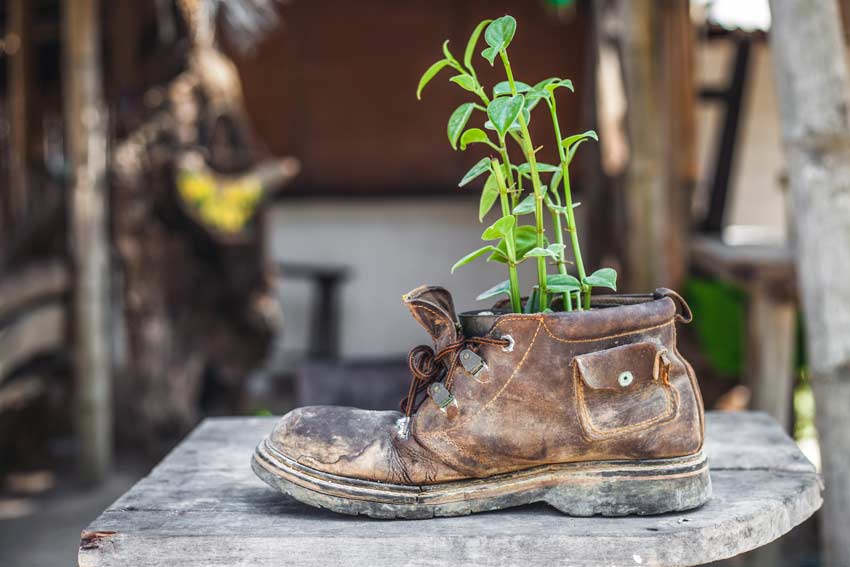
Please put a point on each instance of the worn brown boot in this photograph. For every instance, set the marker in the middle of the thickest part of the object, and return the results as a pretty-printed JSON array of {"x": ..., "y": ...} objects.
[{"x": 594, "y": 412}]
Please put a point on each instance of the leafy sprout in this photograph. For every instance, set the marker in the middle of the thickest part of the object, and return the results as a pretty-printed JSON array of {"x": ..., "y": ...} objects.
[{"x": 505, "y": 114}]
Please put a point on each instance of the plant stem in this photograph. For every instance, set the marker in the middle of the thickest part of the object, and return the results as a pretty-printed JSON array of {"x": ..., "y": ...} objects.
[
  {"x": 510, "y": 247},
  {"x": 562, "y": 263},
  {"x": 528, "y": 148},
  {"x": 568, "y": 203},
  {"x": 503, "y": 151}
]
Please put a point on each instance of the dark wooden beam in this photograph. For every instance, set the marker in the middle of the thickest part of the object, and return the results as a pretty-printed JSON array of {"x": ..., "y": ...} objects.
[
  {"x": 732, "y": 99},
  {"x": 18, "y": 47}
]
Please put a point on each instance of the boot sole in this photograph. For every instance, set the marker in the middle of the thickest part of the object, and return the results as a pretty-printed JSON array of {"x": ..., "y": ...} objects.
[{"x": 606, "y": 488}]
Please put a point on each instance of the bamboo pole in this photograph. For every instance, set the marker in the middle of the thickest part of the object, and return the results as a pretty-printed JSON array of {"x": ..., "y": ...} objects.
[
  {"x": 86, "y": 118},
  {"x": 812, "y": 81}
]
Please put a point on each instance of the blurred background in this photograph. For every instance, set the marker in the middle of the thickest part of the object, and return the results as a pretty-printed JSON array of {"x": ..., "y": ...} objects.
[{"x": 213, "y": 207}]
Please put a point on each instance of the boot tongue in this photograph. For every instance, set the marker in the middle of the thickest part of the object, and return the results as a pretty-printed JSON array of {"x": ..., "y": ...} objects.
[{"x": 433, "y": 307}]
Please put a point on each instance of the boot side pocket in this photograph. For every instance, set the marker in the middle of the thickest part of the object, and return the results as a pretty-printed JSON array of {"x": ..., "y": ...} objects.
[{"x": 623, "y": 390}]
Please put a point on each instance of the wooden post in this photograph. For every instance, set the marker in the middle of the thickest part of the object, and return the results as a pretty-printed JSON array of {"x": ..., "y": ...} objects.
[
  {"x": 18, "y": 46},
  {"x": 771, "y": 344},
  {"x": 656, "y": 48},
  {"x": 86, "y": 117},
  {"x": 810, "y": 66}
]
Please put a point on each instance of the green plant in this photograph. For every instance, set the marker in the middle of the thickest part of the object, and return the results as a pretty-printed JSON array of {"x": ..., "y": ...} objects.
[{"x": 507, "y": 114}]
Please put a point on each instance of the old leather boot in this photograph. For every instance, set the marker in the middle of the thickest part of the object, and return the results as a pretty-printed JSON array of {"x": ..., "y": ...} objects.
[{"x": 594, "y": 412}]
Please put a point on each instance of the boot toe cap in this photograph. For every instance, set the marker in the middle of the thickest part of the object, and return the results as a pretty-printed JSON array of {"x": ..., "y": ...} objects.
[{"x": 338, "y": 440}]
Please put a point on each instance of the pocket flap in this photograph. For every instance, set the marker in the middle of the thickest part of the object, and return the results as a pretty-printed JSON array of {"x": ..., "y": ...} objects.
[{"x": 620, "y": 367}]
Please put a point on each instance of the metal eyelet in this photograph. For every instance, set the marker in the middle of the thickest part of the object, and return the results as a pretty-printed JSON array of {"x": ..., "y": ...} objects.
[
  {"x": 510, "y": 346},
  {"x": 625, "y": 378}
]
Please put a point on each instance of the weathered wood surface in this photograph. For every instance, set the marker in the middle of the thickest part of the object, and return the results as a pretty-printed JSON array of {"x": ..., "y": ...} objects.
[
  {"x": 813, "y": 87},
  {"x": 203, "y": 506}
]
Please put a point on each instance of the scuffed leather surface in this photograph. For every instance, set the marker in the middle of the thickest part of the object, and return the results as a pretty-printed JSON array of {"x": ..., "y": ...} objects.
[
  {"x": 552, "y": 398},
  {"x": 356, "y": 443}
]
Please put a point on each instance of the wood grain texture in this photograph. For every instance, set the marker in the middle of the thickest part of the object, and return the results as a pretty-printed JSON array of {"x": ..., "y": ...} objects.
[
  {"x": 203, "y": 506},
  {"x": 813, "y": 87}
]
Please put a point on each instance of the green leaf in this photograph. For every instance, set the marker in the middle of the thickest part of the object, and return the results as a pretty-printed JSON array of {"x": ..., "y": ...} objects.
[
  {"x": 538, "y": 92},
  {"x": 525, "y": 168},
  {"x": 525, "y": 238},
  {"x": 473, "y": 136},
  {"x": 560, "y": 209},
  {"x": 555, "y": 83},
  {"x": 499, "y": 34},
  {"x": 472, "y": 256},
  {"x": 457, "y": 122},
  {"x": 549, "y": 85},
  {"x": 551, "y": 251},
  {"x": 525, "y": 206},
  {"x": 571, "y": 143},
  {"x": 499, "y": 229},
  {"x": 534, "y": 96},
  {"x": 476, "y": 170},
  {"x": 570, "y": 140},
  {"x": 562, "y": 283},
  {"x": 470, "y": 45},
  {"x": 448, "y": 55},
  {"x": 490, "y": 54},
  {"x": 514, "y": 127},
  {"x": 556, "y": 248},
  {"x": 504, "y": 111},
  {"x": 604, "y": 277},
  {"x": 498, "y": 289},
  {"x": 465, "y": 82},
  {"x": 429, "y": 74},
  {"x": 488, "y": 197},
  {"x": 504, "y": 88}
]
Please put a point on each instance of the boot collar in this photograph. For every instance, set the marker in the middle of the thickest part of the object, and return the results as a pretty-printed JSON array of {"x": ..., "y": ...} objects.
[{"x": 433, "y": 308}]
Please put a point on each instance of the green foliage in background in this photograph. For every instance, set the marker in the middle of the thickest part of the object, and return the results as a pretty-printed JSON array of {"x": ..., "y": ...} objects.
[
  {"x": 518, "y": 187},
  {"x": 719, "y": 311},
  {"x": 804, "y": 410}
]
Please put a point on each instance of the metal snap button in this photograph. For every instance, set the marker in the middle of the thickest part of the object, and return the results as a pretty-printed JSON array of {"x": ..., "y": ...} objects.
[{"x": 625, "y": 378}]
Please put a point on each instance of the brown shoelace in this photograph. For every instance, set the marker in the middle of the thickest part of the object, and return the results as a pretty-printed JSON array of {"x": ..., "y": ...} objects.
[{"x": 427, "y": 367}]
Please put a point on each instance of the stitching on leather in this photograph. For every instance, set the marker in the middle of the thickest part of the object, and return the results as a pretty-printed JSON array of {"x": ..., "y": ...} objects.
[
  {"x": 443, "y": 456},
  {"x": 592, "y": 433},
  {"x": 422, "y": 305},
  {"x": 475, "y": 415},
  {"x": 507, "y": 382},
  {"x": 605, "y": 337}
]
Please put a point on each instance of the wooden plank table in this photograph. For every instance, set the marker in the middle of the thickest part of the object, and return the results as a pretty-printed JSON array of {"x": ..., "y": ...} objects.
[{"x": 203, "y": 506}]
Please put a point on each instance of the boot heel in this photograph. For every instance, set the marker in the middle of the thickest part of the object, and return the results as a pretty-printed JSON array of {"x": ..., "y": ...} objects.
[{"x": 641, "y": 487}]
